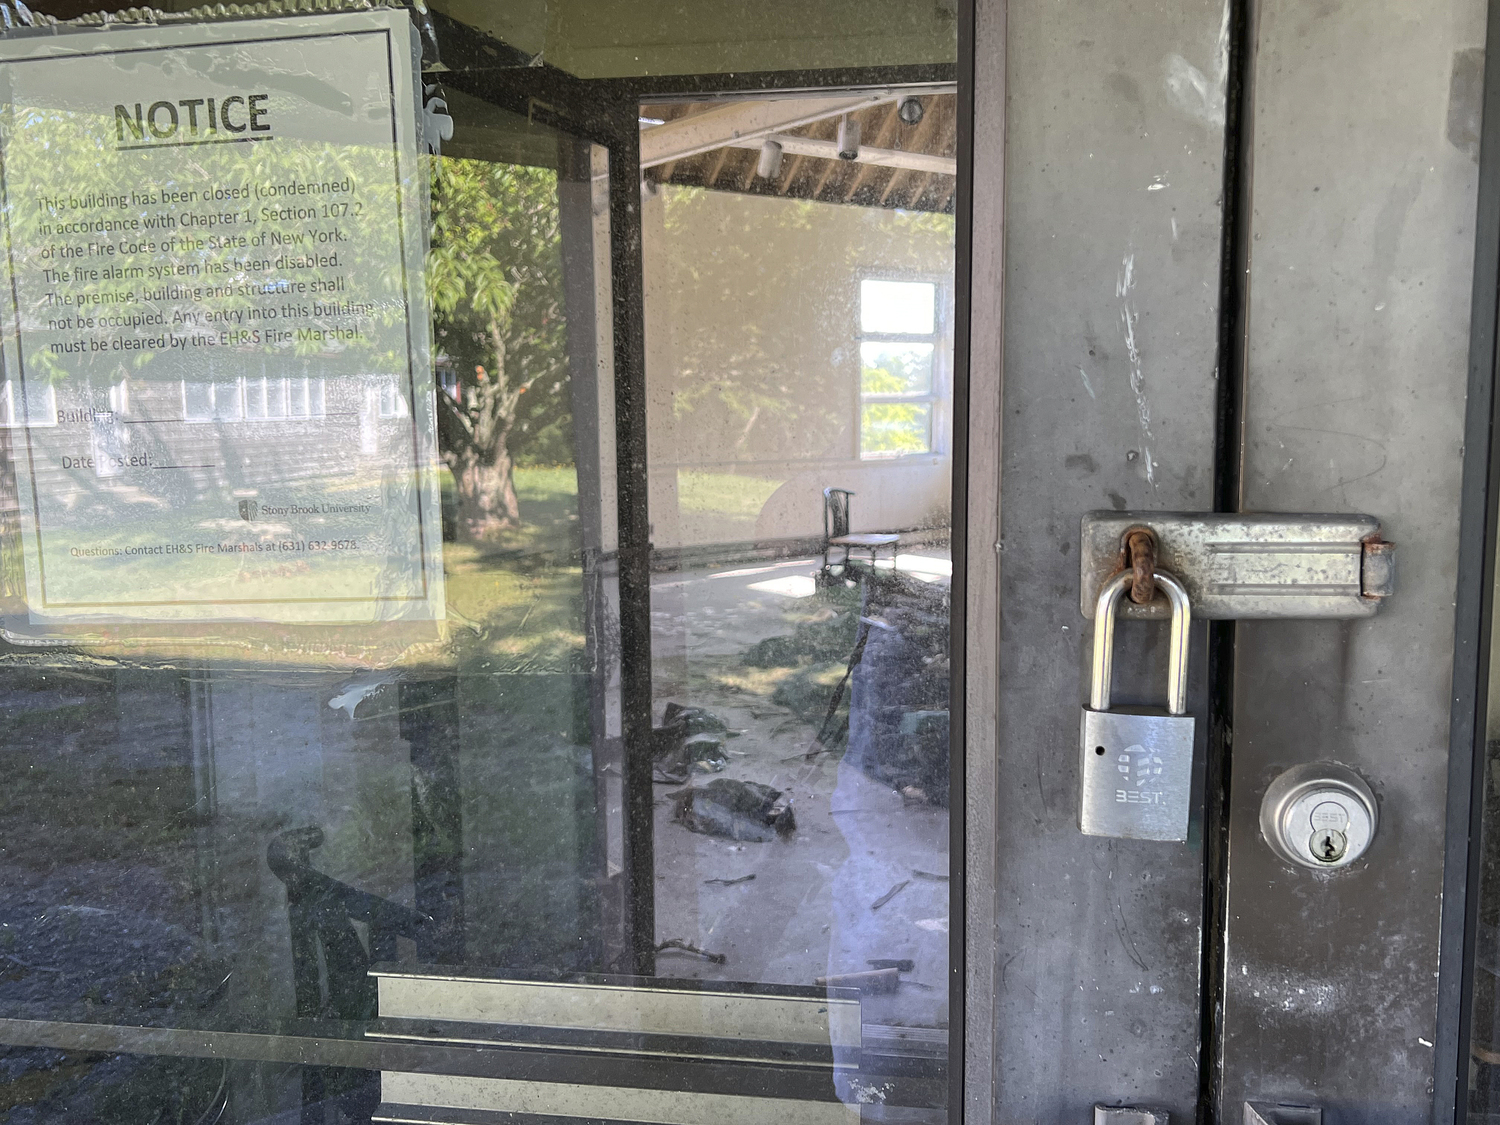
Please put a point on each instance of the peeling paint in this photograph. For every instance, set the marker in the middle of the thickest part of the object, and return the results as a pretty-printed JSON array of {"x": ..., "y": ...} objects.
[
  {"x": 1194, "y": 93},
  {"x": 1124, "y": 284}
]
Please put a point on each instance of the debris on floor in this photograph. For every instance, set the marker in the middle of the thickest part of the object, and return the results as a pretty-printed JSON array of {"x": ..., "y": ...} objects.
[
  {"x": 827, "y": 638},
  {"x": 689, "y": 947},
  {"x": 876, "y": 980},
  {"x": 695, "y": 720},
  {"x": 890, "y": 894},
  {"x": 900, "y": 964},
  {"x": 728, "y": 882},
  {"x": 898, "y": 708},
  {"x": 739, "y": 810},
  {"x": 689, "y": 739}
]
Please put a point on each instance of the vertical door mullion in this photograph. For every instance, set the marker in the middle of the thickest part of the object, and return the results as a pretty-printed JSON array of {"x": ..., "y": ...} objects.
[{"x": 627, "y": 285}]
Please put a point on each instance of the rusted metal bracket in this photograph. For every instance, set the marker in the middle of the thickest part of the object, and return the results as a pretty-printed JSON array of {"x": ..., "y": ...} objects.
[{"x": 1246, "y": 566}]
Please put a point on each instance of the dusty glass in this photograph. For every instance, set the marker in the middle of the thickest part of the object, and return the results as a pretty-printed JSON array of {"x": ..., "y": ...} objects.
[{"x": 391, "y": 729}]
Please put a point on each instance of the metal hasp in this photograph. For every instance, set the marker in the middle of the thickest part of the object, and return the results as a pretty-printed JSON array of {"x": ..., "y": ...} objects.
[
  {"x": 1243, "y": 566},
  {"x": 1274, "y": 1113},
  {"x": 1137, "y": 763},
  {"x": 1320, "y": 815},
  {"x": 1130, "y": 1115}
]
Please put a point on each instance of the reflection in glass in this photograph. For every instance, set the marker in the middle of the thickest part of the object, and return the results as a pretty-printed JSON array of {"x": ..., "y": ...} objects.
[
  {"x": 798, "y": 351},
  {"x": 332, "y": 839},
  {"x": 227, "y": 829}
]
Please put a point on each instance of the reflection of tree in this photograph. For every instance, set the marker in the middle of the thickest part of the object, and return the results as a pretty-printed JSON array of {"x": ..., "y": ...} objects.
[{"x": 495, "y": 276}]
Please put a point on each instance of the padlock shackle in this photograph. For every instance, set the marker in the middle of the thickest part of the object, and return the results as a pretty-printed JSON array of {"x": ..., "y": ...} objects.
[{"x": 1104, "y": 641}]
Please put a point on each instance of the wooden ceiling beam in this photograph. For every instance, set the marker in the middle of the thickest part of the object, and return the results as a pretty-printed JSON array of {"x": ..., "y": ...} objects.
[
  {"x": 716, "y": 166},
  {"x": 882, "y": 139},
  {"x": 790, "y": 174},
  {"x": 868, "y": 154},
  {"x": 744, "y": 121},
  {"x": 920, "y": 141}
]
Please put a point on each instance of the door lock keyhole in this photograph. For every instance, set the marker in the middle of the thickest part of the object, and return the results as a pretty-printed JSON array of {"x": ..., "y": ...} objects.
[
  {"x": 1320, "y": 815},
  {"x": 1328, "y": 845}
]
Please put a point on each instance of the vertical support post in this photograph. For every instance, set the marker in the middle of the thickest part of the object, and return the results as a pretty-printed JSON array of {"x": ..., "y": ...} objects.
[
  {"x": 583, "y": 214},
  {"x": 429, "y": 722},
  {"x": 979, "y": 345},
  {"x": 627, "y": 285}
]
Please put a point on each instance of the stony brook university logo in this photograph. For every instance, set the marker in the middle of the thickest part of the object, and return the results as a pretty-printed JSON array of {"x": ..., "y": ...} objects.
[
  {"x": 1140, "y": 773},
  {"x": 249, "y": 509}
]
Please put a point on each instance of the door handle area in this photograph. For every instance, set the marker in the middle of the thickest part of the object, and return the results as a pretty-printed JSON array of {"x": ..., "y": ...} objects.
[{"x": 1247, "y": 566}]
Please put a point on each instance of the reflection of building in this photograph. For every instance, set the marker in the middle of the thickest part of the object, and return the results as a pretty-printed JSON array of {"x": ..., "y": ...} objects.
[
  {"x": 35, "y": 407},
  {"x": 255, "y": 432}
]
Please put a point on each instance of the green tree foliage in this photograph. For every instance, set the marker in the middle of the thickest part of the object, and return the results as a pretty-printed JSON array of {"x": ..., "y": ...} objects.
[{"x": 495, "y": 278}]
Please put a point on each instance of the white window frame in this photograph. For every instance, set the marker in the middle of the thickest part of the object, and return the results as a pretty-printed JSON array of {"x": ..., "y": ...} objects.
[
  {"x": 389, "y": 401},
  {"x": 218, "y": 391},
  {"x": 306, "y": 397},
  {"x": 938, "y": 396},
  {"x": 9, "y": 393}
]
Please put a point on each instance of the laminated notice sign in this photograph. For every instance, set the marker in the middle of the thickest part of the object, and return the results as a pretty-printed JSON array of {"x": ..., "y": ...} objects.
[{"x": 217, "y": 400}]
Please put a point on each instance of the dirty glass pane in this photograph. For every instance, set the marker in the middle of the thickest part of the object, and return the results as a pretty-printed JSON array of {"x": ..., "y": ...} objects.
[
  {"x": 330, "y": 791},
  {"x": 800, "y": 597},
  {"x": 219, "y": 824}
]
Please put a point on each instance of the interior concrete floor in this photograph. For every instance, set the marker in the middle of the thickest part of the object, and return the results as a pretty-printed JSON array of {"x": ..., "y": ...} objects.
[{"x": 811, "y": 909}]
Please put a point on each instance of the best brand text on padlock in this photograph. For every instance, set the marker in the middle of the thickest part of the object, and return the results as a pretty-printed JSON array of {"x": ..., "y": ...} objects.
[{"x": 1138, "y": 761}]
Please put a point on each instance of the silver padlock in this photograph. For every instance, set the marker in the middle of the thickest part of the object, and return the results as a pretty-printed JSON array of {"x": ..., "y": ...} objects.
[{"x": 1138, "y": 762}]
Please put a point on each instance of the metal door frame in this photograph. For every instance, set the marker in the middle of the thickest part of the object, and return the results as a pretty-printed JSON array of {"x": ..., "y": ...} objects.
[
  {"x": 982, "y": 86},
  {"x": 1474, "y": 615},
  {"x": 978, "y": 362}
]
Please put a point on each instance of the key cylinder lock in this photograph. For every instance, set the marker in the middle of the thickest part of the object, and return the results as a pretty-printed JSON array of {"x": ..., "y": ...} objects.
[{"x": 1320, "y": 815}]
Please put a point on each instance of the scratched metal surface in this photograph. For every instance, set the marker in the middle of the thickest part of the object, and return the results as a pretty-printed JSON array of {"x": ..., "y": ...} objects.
[
  {"x": 1362, "y": 236},
  {"x": 1113, "y": 176}
]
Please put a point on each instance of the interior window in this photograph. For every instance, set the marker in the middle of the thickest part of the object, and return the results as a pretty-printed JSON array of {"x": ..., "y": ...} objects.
[
  {"x": 35, "y": 406},
  {"x": 898, "y": 354}
]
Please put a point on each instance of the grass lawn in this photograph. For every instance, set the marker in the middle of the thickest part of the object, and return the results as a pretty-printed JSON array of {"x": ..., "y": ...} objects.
[{"x": 513, "y": 605}]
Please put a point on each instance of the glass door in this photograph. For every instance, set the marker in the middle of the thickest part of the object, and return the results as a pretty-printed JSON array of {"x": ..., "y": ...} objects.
[
  {"x": 320, "y": 699},
  {"x": 476, "y": 642},
  {"x": 799, "y": 281}
]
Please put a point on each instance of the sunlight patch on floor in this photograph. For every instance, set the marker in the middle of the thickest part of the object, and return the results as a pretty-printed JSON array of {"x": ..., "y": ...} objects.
[{"x": 792, "y": 586}]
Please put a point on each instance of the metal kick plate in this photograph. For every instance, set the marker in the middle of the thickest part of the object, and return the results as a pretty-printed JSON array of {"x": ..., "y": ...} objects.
[
  {"x": 1244, "y": 566},
  {"x": 1129, "y": 1115},
  {"x": 1275, "y": 1113}
]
